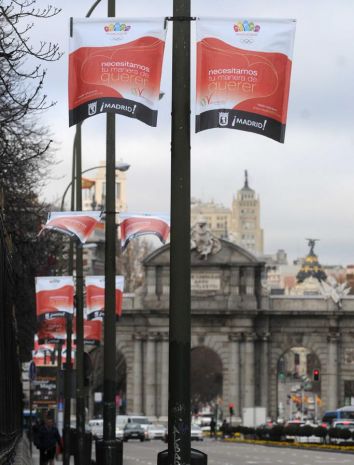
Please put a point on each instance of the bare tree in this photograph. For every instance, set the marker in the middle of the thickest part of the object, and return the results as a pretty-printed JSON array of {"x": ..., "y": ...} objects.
[{"x": 25, "y": 155}]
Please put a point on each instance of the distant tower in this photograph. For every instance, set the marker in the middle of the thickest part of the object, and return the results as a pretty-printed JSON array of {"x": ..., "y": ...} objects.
[{"x": 246, "y": 219}]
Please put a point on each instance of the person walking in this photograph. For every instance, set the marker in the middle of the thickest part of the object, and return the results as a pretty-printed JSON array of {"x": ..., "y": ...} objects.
[
  {"x": 213, "y": 428},
  {"x": 47, "y": 439},
  {"x": 224, "y": 428}
]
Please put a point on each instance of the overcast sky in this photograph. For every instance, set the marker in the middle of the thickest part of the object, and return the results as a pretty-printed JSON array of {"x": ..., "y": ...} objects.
[{"x": 305, "y": 185}]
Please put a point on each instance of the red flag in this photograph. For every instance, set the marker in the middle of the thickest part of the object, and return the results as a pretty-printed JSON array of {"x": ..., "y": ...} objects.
[{"x": 87, "y": 183}]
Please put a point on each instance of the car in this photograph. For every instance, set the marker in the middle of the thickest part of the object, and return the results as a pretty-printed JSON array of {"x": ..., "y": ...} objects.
[
  {"x": 341, "y": 425},
  {"x": 133, "y": 431},
  {"x": 156, "y": 431},
  {"x": 96, "y": 428},
  {"x": 329, "y": 417},
  {"x": 203, "y": 420},
  {"x": 196, "y": 433}
]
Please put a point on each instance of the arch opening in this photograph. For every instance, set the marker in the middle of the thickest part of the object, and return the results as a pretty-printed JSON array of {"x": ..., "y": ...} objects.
[
  {"x": 299, "y": 385},
  {"x": 206, "y": 379}
]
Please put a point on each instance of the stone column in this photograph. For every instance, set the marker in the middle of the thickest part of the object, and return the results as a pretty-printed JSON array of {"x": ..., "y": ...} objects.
[
  {"x": 164, "y": 376},
  {"x": 235, "y": 372},
  {"x": 249, "y": 387},
  {"x": 150, "y": 376},
  {"x": 250, "y": 280},
  {"x": 332, "y": 372},
  {"x": 138, "y": 375},
  {"x": 264, "y": 372}
]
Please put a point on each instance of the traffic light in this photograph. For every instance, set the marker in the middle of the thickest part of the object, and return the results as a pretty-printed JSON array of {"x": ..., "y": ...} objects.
[
  {"x": 316, "y": 374},
  {"x": 231, "y": 409}
]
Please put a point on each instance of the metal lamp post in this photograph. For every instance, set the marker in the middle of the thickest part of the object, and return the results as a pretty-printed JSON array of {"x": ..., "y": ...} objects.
[
  {"x": 179, "y": 416},
  {"x": 119, "y": 167}
]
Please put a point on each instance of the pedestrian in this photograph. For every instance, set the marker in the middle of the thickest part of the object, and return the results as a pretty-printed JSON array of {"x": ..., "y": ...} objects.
[
  {"x": 213, "y": 428},
  {"x": 224, "y": 428},
  {"x": 47, "y": 439}
]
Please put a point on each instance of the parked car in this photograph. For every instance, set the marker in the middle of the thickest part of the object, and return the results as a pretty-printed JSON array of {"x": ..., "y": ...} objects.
[
  {"x": 156, "y": 431},
  {"x": 133, "y": 431}
]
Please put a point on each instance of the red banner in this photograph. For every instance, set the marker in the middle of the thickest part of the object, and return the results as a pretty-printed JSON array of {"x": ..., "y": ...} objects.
[
  {"x": 79, "y": 224},
  {"x": 52, "y": 330},
  {"x": 92, "y": 331},
  {"x": 243, "y": 75},
  {"x": 54, "y": 296},
  {"x": 136, "y": 225},
  {"x": 115, "y": 67},
  {"x": 95, "y": 288}
]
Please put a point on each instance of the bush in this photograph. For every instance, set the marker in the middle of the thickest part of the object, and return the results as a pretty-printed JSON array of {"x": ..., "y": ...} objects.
[
  {"x": 276, "y": 432},
  {"x": 320, "y": 432},
  {"x": 333, "y": 433},
  {"x": 306, "y": 431},
  {"x": 344, "y": 434},
  {"x": 292, "y": 430}
]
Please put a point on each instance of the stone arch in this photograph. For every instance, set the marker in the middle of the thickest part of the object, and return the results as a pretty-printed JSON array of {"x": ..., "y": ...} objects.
[{"x": 206, "y": 376}]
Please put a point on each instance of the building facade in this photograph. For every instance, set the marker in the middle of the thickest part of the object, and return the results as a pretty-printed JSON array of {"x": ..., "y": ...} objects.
[
  {"x": 240, "y": 223},
  {"x": 94, "y": 198},
  {"x": 249, "y": 331}
]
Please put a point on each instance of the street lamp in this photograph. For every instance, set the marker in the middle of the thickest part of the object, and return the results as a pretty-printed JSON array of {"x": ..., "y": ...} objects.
[{"x": 122, "y": 166}]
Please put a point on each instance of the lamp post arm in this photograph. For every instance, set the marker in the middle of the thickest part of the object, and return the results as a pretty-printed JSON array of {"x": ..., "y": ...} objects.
[
  {"x": 90, "y": 11},
  {"x": 70, "y": 184},
  {"x": 120, "y": 167}
]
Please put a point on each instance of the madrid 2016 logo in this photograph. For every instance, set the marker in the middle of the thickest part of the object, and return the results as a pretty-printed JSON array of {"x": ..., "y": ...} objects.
[
  {"x": 246, "y": 26},
  {"x": 117, "y": 27}
]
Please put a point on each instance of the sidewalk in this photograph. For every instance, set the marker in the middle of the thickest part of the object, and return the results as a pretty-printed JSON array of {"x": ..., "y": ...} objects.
[{"x": 23, "y": 454}]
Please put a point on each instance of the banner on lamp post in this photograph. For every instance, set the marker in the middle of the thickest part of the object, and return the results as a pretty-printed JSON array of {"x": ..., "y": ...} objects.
[
  {"x": 92, "y": 331},
  {"x": 54, "y": 296},
  {"x": 115, "y": 66},
  {"x": 51, "y": 330},
  {"x": 134, "y": 225},
  {"x": 95, "y": 288},
  {"x": 74, "y": 224},
  {"x": 243, "y": 74}
]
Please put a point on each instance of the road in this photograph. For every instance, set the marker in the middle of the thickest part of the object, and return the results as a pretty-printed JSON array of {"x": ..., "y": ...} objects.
[
  {"x": 220, "y": 453},
  {"x": 224, "y": 453}
]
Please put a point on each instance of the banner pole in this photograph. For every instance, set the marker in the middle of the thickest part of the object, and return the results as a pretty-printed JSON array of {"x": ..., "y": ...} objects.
[
  {"x": 69, "y": 330},
  {"x": 179, "y": 411},
  {"x": 80, "y": 397},
  {"x": 111, "y": 448}
]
